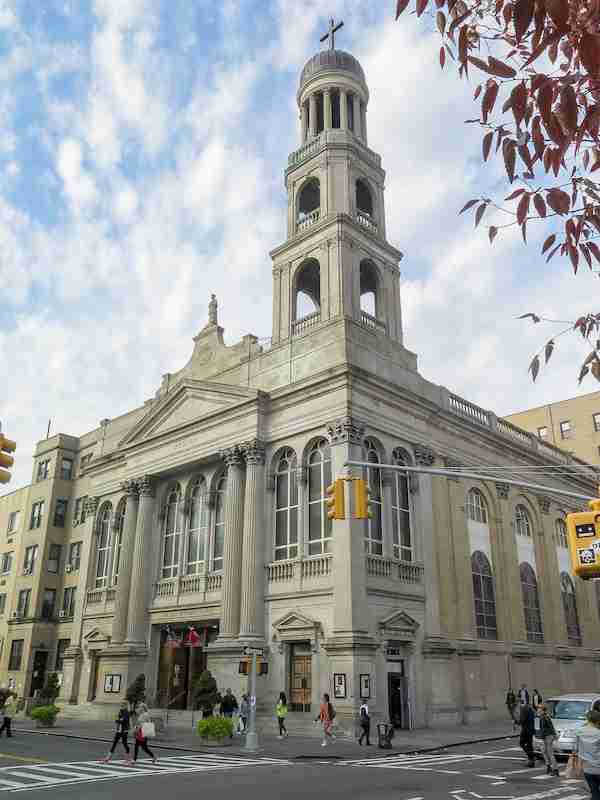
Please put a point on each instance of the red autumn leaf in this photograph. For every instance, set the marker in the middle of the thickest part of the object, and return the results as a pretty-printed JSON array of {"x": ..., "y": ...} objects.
[
  {"x": 523, "y": 208},
  {"x": 568, "y": 107},
  {"x": 574, "y": 256},
  {"x": 544, "y": 102},
  {"x": 558, "y": 11},
  {"x": 468, "y": 205},
  {"x": 421, "y": 6},
  {"x": 458, "y": 21},
  {"x": 440, "y": 19},
  {"x": 463, "y": 44},
  {"x": 540, "y": 205},
  {"x": 589, "y": 52},
  {"x": 552, "y": 252},
  {"x": 522, "y": 15},
  {"x": 514, "y": 195},
  {"x": 477, "y": 92},
  {"x": 558, "y": 200},
  {"x": 524, "y": 231},
  {"x": 595, "y": 250},
  {"x": 508, "y": 151},
  {"x": 534, "y": 367},
  {"x": 400, "y": 7},
  {"x": 492, "y": 233},
  {"x": 518, "y": 102},
  {"x": 501, "y": 69},
  {"x": 479, "y": 213},
  {"x": 586, "y": 255},
  {"x": 549, "y": 242},
  {"x": 548, "y": 350},
  {"x": 442, "y": 57},
  {"x": 486, "y": 144},
  {"x": 489, "y": 98}
]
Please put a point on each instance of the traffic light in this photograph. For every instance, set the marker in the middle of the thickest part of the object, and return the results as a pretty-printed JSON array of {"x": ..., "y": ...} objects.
[
  {"x": 336, "y": 508},
  {"x": 361, "y": 499},
  {"x": 6, "y": 461},
  {"x": 583, "y": 530}
]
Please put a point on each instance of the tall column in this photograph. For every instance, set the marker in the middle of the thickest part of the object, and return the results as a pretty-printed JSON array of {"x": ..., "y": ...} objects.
[
  {"x": 425, "y": 457},
  {"x": 232, "y": 546},
  {"x": 253, "y": 579},
  {"x": 312, "y": 116},
  {"x": 343, "y": 110},
  {"x": 356, "y": 115},
  {"x": 138, "y": 595},
  {"x": 119, "y": 630},
  {"x": 363, "y": 119},
  {"x": 304, "y": 121},
  {"x": 328, "y": 120}
]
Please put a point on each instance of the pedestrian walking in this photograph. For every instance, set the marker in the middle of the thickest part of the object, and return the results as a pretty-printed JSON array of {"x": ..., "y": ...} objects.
[
  {"x": 141, "y": 739},
  {"x": 244, "y": 712},
  {"x": 547, "y": 733},
  {"x": 524, "y": 695},
  {"x": 8, "y": 709},
  {"x": 326, "y": 717},
  {"x": 536, "y": 699},
  {"x": 281, "y": 710},
  {"x": 365, "y": 723},
  {"x": 588, "y": 750},
  {"x": 511, "y": 703},
  {"x": 121, "y": 733},
  {"x": 229, "y": 706},
  {"x": 527, "y": 722}
]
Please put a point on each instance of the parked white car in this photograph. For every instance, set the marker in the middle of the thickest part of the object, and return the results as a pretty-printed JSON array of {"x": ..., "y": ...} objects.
[{"x": 568, "y": 712}]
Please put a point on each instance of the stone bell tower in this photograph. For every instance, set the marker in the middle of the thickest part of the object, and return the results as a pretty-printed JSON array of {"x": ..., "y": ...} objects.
[{"x": 336, "y": 263}]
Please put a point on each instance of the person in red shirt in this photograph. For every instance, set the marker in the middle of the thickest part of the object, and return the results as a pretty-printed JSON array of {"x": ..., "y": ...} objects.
[{"x": 326, "y": 716}]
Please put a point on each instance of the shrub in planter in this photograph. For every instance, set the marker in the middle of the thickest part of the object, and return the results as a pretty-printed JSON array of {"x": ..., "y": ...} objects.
[
  {"x": 215, "y": 729},
  {"x": 45, "y": 716}
]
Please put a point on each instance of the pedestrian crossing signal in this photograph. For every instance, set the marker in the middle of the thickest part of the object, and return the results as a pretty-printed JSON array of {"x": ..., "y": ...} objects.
[
  {"x": 361, "y": 499},
  {"x": 583, "y": 531},
  {"x": 336, "y": 507}
]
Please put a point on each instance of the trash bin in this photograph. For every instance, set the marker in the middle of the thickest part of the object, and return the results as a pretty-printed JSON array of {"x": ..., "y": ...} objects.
[{"x": 385, "y": 734}]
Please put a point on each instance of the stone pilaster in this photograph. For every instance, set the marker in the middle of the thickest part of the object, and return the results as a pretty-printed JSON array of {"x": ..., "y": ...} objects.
[
  {"x": 328, "y": 122},
  {"x": 73, "y": 654},
  {"x": 312, "y": 117},
  {"x": 140, "y": 582},
  {"x": 119, "y": 630},
  {"x": 356, "y": 116},
  {"x": 252, "y": 610},
  {"x": 425, "y": 457},
  {"x": 232, "y": 546},
  {"x": 343, "y": 110}
]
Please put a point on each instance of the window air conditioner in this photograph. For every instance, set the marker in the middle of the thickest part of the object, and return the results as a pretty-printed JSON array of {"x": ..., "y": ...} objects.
[
  {"x": 68, "y": 568},
  {"x": 62, "y": 614}
]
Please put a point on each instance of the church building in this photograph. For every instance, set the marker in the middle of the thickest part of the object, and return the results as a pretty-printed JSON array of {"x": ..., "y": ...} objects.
[{"x": 199, "y": 518}]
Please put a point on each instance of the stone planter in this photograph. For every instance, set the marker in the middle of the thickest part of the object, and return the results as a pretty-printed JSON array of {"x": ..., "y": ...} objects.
[
  {"x": 220, "y": 741},
  {"x": 44, "y": 723}
]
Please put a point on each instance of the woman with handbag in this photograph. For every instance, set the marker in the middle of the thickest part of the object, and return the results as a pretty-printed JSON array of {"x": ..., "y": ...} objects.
[
  {"x": 326, "y": 717},
  {"x": 143, "y": 726},
  {"x": 588, "y": 750},
  {"x": 547, "y": 733}
]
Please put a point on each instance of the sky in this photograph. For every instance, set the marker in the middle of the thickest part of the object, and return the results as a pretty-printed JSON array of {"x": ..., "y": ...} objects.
[{"x": 142, "y": 152}]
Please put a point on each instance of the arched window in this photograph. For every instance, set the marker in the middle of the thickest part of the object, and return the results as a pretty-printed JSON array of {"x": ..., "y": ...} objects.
[
  {"x": 309, "y": 203},
  {"x": 308, "y": 290},
  {"x": 198, "y": 528},
  {"x": 319, "y": 478},
  {"x": 401, "y": 516},
  {"x": 476, "y": 506},
  {"x": 483, "y": 593},
  {"x": 374, "y": 528},
  {"x": 364, "y": 199},
  {"x": 570, "y": 608},
  {"x": 118, "y": 540},
  {"x": 560, "y": 533},
  {"x": 103, "y": 547},
  {"x": 219, "y": 532},
  {"x": 531, "y": 604},
  {"x": 286, "y": 506},
  {"x": 172, "y": 534},
  {"x": 369, "y": 300},
  {"x": 522, "y": 522}
]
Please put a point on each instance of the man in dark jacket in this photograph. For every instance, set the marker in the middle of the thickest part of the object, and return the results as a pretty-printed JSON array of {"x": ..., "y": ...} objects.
[
  {"x": 527, "y": 722},
  {"x": 229, "y": 705},
  {"x": 511, "y": 703}
]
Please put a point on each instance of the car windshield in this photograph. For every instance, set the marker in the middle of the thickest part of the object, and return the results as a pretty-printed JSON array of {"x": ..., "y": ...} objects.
[{"x": 568, "y": 709}]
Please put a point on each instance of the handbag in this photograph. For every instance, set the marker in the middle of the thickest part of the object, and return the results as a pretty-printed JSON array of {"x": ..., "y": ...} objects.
[
  {"x": 574, "y": 768},
  {"x": 148, "y": 730}
]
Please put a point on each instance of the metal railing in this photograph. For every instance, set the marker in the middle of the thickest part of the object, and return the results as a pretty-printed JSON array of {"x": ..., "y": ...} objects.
[
  {"x": 301, "y": 325},
  {"x": 306, "y": 220},
  {"x": 371, "y": 322}
]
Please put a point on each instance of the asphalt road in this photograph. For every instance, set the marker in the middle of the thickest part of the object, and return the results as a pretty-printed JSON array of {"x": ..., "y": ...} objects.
[{"x": 70, "y": 769}]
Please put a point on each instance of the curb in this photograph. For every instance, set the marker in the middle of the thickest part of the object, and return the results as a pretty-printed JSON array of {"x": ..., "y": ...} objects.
[{"x": 321, "y": 757}]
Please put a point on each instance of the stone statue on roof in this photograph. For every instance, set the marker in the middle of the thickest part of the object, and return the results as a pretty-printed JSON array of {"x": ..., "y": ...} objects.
[{"x": 212, "y": 310}]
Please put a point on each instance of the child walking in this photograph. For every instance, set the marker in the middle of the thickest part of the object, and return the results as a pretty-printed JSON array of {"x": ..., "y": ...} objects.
[{"x": 281, "y": 710}]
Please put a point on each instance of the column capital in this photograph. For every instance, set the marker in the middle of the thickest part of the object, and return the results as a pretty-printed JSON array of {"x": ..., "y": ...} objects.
[
  {"x": 502, "y": 490},
  {"x": 424, "y": 456},
  {"x": 346, "y": 429},
  {"x": 146, "y": 486},
  {"x": 232, "y": 456},
  {"x": 254, "y": 452},
  {"x": 91, "y": 506},
  {"x": 130, "y": 487},
  {"x": 544, "y": 503}
]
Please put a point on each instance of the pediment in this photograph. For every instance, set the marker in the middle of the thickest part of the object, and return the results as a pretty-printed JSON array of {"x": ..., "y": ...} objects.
[
  {"x": 399, "y": 624},
  {"x": 96, "y": 636},
  {"x": 187, "y": 402},
  {"x": 294, "y": 625}
]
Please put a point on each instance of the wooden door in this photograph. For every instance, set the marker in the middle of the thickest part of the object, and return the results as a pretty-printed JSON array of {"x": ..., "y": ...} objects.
[{"x": 301, "y": 682}]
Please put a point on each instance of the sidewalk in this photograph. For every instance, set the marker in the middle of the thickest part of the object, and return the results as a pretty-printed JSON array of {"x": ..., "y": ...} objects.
[{"x": 297, "y": 747}]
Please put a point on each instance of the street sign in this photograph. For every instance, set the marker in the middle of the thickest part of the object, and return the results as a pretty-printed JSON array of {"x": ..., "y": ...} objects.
[{"x": 254, "y": 651}]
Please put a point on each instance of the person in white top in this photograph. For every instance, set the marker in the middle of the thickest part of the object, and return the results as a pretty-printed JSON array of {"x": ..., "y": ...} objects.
[
  {"x": 365, "y": 723},
  {"x": 588, "y": 750}
]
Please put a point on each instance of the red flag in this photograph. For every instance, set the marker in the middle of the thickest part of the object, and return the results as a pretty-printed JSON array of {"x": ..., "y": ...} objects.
[{"x": 193, "y": 638}]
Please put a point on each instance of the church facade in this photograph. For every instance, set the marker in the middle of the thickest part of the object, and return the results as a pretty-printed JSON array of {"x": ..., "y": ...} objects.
[{"x": 201, "y": 515}]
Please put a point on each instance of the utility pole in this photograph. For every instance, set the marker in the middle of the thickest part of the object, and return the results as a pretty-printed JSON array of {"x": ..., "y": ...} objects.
[{"x": 251, "y": 734}]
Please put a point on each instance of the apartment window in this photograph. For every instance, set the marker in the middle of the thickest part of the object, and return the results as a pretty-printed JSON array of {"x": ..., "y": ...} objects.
[
  {"x": 23, "y": 602},
  {"x": 54, "y": 558},
  {"x": 596, "y": 419},
  {"x": 16, "y": 654},
  {"x": 2, "y": 604},
  {"x": 66, "y": 469},
  {"x": 42, "y": 470},
  {"x": 6, "y": 563},
  {"x": 48, "y": 603},
  {"x": 30, "y": 559},
  {"x": 13, "y": 521},
  {"x": 565, "y": 429},
  {"x": 68, "y": 604},
  {"x": 61, "y": 647},
  {"x": 543, "y": 432},
  {"x": 60, "y": 513},
  {"x": 74, "y": 556},
  {"x": 37, "y": 513}
]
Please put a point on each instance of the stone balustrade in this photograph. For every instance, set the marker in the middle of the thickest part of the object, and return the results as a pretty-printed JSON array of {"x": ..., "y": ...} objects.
[
  {"x": 176, "y": 591},
  {"x": 366, "y": 221},
  {"x": 403, "y": 571},
  {"x": 298, "y": 571},
  {"x": 371, "y": 322},
  {"x": 301, "y": 325},
  {"x": 98, "y": 601},
  {"x": 308, "y": 219}
]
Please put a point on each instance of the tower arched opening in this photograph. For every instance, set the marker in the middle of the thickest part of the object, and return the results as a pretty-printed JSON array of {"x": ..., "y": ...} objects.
[
  {"x": 369, "y": 290},
  {"x": 309, "y": 203},
  {"x": 307, "y": 299},
  {"x": 364, "y": 198}
]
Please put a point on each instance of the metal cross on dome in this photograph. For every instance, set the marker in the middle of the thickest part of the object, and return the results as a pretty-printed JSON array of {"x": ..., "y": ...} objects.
[{"x": 333, "y": 28}]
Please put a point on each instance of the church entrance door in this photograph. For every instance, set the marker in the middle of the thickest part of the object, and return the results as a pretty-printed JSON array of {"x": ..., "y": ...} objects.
[
  {"x": 300, "y": 677},
  {"x": 178, "y": 668},
  {"x": 398, "y": 699}
]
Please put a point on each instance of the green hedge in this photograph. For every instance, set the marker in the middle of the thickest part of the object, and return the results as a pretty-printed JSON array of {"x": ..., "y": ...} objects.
[
  {"x": 215, "y": 728},
  {"x": 45, "y": 715}
]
